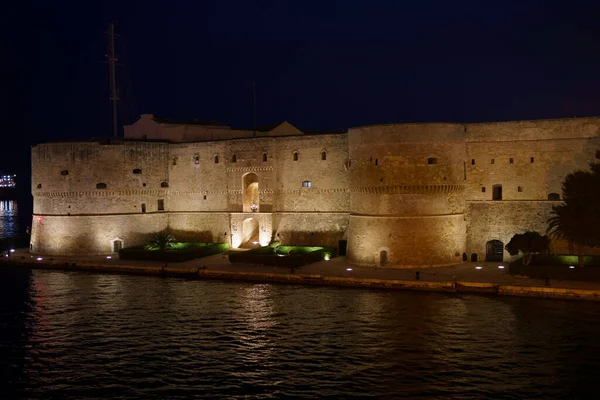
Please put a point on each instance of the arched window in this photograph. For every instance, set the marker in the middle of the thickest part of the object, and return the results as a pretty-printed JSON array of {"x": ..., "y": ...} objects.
[
  {"x": 295, "y": 156},
  {"x": 164, "y": 184},
  {"x": 323, "y": 155},
  {"x": 137, "y": 171},
  {"x": 554, "y": 197},
  {"x": 264, "y": 157},
  {"x": 376, "y": 162},
  {"x": 39, "y": 185},
  {"x": 100, "y": 185},
  {"x": 306, "y": 184},
  {"x": 234, "y": 158},
  {"x": 432, "y": 160},
  {"x": 174, "y": 160},
  {"x": 216, "y": 158},
  {"x": 196, "y": 159}
]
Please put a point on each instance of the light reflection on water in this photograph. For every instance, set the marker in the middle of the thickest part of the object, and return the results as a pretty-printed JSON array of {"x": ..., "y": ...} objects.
[
  {"x": 9, "y": 218},
  {"x": 78, "y": 335}
]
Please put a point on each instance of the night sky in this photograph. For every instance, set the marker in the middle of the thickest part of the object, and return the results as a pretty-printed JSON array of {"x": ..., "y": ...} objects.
[{"x": 322, "y": 65}]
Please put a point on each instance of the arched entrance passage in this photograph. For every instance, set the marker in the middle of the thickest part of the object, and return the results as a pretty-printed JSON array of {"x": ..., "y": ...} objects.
[
  {"x": 464, "y": 257},
  {"x": 116, "y": 245},
  {"x": 383, "y": 257},
  {"x": 494, "y": 251},
  {"x": 250, "y": 233},
  {"x": 250, "y": 193},
  {"x": 473, "y": 257}
]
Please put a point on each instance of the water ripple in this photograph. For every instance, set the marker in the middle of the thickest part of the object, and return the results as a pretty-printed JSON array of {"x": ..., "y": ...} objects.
[{"x": 74, "y": 335}]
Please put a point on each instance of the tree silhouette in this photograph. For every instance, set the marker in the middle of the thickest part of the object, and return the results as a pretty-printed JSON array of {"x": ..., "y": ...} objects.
[{"x": 527, "y": 243}]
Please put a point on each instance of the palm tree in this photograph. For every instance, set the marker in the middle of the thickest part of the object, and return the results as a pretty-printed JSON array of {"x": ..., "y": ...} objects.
[
  {"x": 161, "y": 240},
  {"x": 577, "y": 220},
  {"x": 562, "y": 225}
]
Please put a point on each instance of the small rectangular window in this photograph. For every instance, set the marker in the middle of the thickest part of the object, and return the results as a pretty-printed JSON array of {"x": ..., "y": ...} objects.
[
  {"x": 492, "y": 161},
  {"x": 143, "y": 207},
  {"x": 531, "y": 160},
  {"x": 511, "y": 160},
  {"x": 306, "y": 184},
  {"x": 472, "y": 161},
  {"x": 204, "y": 197},
  {"x": 519, "y": 188},
  {"x": 483, "y": 189},
  {"x": 161, "y": 205}
]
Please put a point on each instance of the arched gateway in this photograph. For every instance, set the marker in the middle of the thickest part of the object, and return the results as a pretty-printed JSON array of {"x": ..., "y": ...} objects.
[
  {"x": 494, "y": 251},
  {"x": 250, "y": 233}
]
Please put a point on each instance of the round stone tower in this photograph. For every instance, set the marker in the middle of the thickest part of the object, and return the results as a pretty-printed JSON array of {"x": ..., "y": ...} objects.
[{"x": 407, "y": 204}]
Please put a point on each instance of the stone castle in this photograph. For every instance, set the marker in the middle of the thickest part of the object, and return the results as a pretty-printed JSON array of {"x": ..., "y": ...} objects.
[{"x": 398, "y": 195}]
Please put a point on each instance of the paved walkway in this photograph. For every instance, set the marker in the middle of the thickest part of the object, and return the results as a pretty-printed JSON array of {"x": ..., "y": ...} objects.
[{"x": 338, "y": 266}]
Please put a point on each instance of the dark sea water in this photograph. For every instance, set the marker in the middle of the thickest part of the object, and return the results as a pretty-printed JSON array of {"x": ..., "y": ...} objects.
[
  {"x": 71, "y": 335},
  {"x": 74, "y": 335}
]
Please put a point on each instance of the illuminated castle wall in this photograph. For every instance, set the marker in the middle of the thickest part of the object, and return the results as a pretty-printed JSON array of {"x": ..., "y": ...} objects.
[{"x": 399, "y": 194}]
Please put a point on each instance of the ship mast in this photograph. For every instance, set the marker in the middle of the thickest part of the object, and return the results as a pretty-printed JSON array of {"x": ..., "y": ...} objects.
[{"x": 112, "y": 59}]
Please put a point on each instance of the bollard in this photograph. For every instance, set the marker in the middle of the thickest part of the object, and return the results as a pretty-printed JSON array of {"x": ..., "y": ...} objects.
[{"x": 417, "y": 275}]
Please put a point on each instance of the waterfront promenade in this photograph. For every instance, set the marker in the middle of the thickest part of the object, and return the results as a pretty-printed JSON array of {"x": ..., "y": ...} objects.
[{"x": 335, "y": 272}]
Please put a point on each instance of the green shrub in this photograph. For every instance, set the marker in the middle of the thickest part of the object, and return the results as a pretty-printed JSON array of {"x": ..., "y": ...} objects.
[
  {"x": 284, "y": 256},
  {"x": 178, "y": 252}
]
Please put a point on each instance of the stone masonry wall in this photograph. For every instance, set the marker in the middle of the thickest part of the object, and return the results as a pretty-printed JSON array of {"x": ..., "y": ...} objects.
[
  {"x": 406, "y": 194},
  {"x": 80, "y": 235},
  {"x": 530, "y": 160},
  {"x": 419, "y": 192}
]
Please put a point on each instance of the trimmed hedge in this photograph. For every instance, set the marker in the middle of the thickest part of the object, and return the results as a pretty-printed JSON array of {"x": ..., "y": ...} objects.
[
  {"x": 287, "y": 256},
  {"x": 555, "y": 266},
  {"x": 181, "y": 251},
  {"x": 562, "y": 259}
]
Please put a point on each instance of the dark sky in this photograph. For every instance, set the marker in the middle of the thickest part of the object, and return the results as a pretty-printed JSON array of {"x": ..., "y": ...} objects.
[{"x": 319, "y": 64}]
